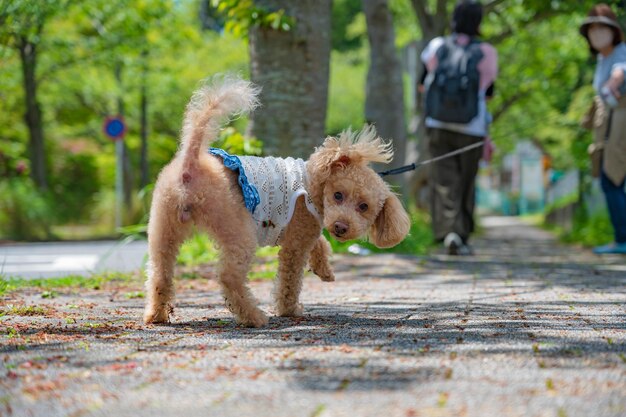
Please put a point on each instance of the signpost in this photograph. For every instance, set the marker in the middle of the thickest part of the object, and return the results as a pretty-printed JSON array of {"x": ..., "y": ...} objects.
[{"x": 115, "y": 129}]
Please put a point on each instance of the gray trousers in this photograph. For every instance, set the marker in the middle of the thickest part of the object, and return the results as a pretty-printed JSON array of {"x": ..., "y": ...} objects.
[{"x": 453, "y": 183}]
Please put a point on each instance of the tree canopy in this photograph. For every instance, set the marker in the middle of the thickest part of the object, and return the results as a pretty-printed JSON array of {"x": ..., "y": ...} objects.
[{"x": 92, "y": 56}]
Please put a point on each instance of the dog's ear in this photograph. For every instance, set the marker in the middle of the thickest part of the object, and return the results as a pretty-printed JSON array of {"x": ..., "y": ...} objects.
[
  {"x": 392, "y": 224},
  {"x": 341, "y": 161},
  {"x": 332, "y": 156}
]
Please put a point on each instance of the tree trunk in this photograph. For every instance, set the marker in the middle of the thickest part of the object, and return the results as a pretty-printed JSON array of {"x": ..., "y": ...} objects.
[
  {"x": 33, "y": 117},
  {"x": 433, "y": 24},
  {"x": 293, "y": 70},
  {"x": 384, "y": 100},
  {"x": 145, "y": 169}
]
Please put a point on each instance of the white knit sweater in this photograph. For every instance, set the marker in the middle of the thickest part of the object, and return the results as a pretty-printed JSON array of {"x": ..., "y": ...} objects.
[{"x": 279, "y": 182}]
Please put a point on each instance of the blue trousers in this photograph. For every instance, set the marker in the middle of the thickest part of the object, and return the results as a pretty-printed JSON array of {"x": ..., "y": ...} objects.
[{"x": 616, "y": 202}]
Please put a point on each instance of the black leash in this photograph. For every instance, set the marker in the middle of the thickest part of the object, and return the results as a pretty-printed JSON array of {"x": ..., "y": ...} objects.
[
  {"x": 413, "y": 166},
  {"x": 398, "y": 170}
]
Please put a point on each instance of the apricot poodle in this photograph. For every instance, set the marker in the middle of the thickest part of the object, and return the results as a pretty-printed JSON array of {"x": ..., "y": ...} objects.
[{"x": 245, "y": 202}]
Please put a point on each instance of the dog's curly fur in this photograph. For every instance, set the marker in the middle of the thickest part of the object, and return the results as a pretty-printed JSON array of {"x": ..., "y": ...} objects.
[{"x": 196, "y": 189}]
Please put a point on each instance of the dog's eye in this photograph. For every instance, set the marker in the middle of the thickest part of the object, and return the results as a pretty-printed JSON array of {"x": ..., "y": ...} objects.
[
  {"x": 338, "y": 197},
  {"x": 363, "y": 207}
]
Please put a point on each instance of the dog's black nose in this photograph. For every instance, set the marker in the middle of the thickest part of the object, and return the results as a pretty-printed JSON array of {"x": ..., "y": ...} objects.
[{"x": 340, "y": 228}]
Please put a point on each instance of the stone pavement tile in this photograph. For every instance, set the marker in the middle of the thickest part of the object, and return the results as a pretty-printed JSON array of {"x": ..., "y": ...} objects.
[{"x": 521, "y": 329}]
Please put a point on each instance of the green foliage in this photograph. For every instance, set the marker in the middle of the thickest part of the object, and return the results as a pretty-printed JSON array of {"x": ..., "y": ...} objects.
[
  {"x": 541, "y": 93},
  {"x": 346, "y": 103},
  {"x": 420, "y": 238},
  {"x": 343, "y": 36},
  {"x": 76, "y": 183},
  {"x": 94, "y": 282},
  {"x": 562, "y": 202},
  {"x": 405, "y": 22},
  {"x": 199, "y": 249},
  {"x": 77, "y": 60},
  {"x": 236, "y": 143},
  {"x": 25, "y": 213},
  {"x": 536, "y": 90},
  {"x": 4, "y": 285},
  {"x": 240, "y": 15},
  {"x": 24, "y": 20},
  {"x": 135, "y": 294},
  {"x": 593, "y": 231},
  {"x": 544, "y": 84},
  {"x": 349, "y": 28}
]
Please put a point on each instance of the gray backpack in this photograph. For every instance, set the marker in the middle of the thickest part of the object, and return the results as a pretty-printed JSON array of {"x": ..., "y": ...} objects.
[{"x": 452, "y": 89}]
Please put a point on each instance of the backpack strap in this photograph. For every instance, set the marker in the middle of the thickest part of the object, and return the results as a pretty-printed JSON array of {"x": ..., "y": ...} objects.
[{"x": 474, "y": 40}]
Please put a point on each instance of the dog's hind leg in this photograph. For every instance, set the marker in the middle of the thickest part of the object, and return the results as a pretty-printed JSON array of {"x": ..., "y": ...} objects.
[
  {"x": 300, "y": 236},
  {"x": 166, "y": 233},
  {"x": 238, "y": 244},
  {"x": 319, "y": 260}
]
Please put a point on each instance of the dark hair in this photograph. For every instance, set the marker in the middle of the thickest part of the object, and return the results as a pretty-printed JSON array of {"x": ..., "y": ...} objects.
[
  {"x": 466, "y": 17},
  {"x": 603, "y": 14}
]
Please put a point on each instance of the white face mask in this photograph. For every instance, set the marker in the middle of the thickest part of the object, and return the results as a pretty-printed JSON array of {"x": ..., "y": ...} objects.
[{"x": 600, "y": 38}]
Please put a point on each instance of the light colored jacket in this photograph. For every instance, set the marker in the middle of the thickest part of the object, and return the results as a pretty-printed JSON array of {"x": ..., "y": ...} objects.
[{"x": 614, "y": 148}]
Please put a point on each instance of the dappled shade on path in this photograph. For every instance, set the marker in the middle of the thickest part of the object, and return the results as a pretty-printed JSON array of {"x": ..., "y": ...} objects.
[{"x": 525, "y": 327}]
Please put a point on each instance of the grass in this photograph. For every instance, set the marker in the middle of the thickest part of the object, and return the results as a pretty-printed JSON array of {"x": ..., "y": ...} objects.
[
  {"x": 197, "y": 250},
  {"x": 592, "y": 231},
  {"x": 264, "y": 270},
  {"x": 22, "y": 310},
  {"x": 135, "y": 294},
  {"x": 95, "y": 282},
  {"x": 596, "y": 230}
]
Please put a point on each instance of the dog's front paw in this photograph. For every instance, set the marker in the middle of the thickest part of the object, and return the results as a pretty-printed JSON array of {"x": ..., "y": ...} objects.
[
  {"x": 326, "y": 276},
  {"x": 290, "y": 311},
  {"x": 324, "y": 272},
  {"x": 157, "y": 314}
]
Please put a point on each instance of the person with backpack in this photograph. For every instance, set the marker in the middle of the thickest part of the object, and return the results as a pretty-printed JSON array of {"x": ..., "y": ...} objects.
[
  {"x": 461, "y": 73},
  {"x": 607, "y": 116}
]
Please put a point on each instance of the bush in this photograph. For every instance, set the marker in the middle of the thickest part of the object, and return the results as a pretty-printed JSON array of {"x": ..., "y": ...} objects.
[
  {"x": 25, "y": 212},
  {"x": 75, "y": 183},
  {"x": 198, "y": 249},
  {"x": 346, "y": 100},
  {"x": 236, "y": 143},
  {"x": 591, "y": 231}
]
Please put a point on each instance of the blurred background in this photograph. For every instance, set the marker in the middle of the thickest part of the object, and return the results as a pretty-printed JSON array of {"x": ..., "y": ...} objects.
[{"x": 67, "y": 67}]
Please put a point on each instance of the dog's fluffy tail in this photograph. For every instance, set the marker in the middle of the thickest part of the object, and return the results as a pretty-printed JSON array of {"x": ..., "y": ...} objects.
[{"x": 213, "y": 104}]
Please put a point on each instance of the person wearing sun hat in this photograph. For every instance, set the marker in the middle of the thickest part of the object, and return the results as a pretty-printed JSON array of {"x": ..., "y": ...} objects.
[{"x": 607, "y": 117}]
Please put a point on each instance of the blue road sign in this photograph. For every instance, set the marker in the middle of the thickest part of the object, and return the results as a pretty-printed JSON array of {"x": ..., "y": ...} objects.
[{"x": 114, "y": 127}]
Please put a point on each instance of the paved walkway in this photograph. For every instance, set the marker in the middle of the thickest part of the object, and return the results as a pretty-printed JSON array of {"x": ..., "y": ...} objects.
[
  {"x": 58, "y": 259},
  {"x": 525, "y": 328}
]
